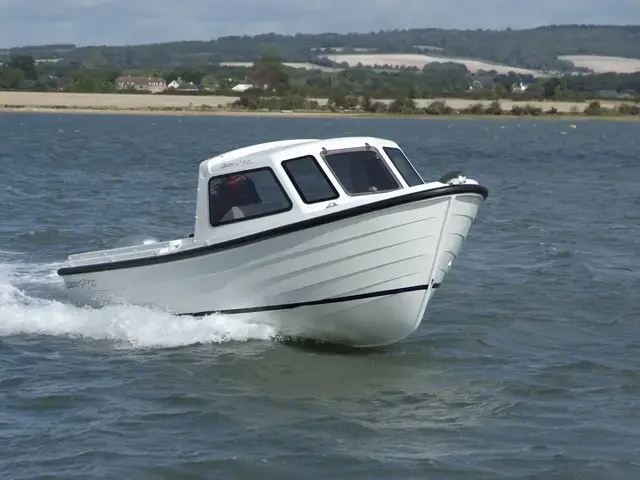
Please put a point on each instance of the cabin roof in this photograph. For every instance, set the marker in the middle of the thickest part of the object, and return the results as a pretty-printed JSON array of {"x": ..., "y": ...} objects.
[{"x": 264, "y": 154}]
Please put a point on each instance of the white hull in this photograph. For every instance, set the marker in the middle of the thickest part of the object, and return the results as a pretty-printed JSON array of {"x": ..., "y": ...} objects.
[{"x": 300, "y": 275}]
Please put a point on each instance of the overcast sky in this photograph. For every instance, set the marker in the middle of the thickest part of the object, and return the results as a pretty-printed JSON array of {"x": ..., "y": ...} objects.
[{"x": 119, "y": 22}]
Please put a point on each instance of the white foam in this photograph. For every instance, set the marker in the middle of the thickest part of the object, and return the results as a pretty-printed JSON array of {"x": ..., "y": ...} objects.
[
  {"x": 127, "y": 326},
  {"x": 32, "y": 273}
]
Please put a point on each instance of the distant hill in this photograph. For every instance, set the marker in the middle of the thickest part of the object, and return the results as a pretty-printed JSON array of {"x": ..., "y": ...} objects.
[{"x": 544, "y": 48}]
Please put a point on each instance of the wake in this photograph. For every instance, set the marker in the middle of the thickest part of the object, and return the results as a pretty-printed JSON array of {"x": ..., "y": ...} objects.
[{"x": 128, "y": 326}]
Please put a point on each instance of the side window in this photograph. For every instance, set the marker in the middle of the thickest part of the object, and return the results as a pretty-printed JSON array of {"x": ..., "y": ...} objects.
[
  {"x": 245, "y": 195},
  {"x": 361, "y": 171},
  {"x": 404, "y": 166},
  {"x": 310, "y": 181}
]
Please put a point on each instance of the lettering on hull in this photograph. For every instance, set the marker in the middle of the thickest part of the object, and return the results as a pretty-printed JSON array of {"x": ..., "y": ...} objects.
[
  {"x": 83, "y": 283},
  {"x": 235, "y": 163}
]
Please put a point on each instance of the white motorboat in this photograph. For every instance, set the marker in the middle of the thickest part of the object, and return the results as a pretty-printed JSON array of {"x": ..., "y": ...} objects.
[{"x": 338, "y": 240}]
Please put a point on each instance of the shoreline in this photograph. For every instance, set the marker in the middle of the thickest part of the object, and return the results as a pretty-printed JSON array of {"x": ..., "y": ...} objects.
[
  {"x": 231, "y": 112},
  {"x": 212, "y": 105}
]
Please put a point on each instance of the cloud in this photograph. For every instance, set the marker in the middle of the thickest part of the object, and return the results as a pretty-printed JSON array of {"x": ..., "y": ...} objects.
[{"x": 119, "y": 22}]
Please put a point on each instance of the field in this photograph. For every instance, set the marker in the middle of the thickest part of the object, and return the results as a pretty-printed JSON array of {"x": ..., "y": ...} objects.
[
  {"x": 109, "y": 101},
  {"x": 300, "y": 65},
  {"x": 418, "y": 60},
  {"x": 149, "y": 103},
  {"x": 600, "y": 64}
]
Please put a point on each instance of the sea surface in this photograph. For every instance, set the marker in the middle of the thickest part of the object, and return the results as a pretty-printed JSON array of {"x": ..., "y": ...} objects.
[{"x": 526, "y": 366}]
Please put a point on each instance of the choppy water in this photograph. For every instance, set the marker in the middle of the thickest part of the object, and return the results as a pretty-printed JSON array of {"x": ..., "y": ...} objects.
[{"x": 527, "y": 367}]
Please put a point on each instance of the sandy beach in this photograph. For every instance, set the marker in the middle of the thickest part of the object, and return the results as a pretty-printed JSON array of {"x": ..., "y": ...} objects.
[{"x": 213, "y": 105}]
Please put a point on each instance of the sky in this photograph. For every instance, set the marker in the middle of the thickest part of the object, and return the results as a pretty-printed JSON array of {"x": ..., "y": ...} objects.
[{"x": 122, "y": 22}]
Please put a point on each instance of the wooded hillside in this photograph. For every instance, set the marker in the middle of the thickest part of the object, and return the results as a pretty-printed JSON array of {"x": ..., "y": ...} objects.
[{"x": 536, "y": 48}]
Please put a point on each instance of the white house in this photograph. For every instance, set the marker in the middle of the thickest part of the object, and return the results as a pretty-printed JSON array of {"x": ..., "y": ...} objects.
[
  {"x": 179, "y": 84},
  {"x": 242, "y": 87},
  {"x": 519, "y": 87}
]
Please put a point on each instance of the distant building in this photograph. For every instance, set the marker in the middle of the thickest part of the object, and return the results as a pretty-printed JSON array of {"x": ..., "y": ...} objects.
[
  {"x": 481, "y": 84},
  {"x": 242, "y": 87},
  {"x": 145, "y": 84},
  {"x": 182, "y": 86},
  {"x": 519, "y": 87}
]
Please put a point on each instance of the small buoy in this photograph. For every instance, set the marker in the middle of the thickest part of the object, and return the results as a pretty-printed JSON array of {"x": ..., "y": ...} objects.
[{"x": 572, "y": 126}]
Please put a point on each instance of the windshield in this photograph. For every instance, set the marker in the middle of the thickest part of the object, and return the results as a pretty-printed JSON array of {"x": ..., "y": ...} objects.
[
  {"x": 245, "y": 195},
  {"x": 401, "y": 162},
  {"x": 361, "y": 172}
]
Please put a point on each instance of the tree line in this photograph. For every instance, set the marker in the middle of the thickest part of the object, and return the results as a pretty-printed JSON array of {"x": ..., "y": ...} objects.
[
  {"x": 535, "y": 48},
  {"x": 273, "y": 78},
  {"x": 408, "y": 106}
]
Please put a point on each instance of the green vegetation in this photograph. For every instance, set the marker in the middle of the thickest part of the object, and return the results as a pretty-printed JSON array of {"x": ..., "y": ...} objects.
[
  {"x": 536, "y": 48},
  {"x": 276, "y": 86},
  {"x": 364, "y": 107},
  {"x": 272, "y": 78},
  {"x": 17, "y": 71},
  {"x": 408, "y": 106}
]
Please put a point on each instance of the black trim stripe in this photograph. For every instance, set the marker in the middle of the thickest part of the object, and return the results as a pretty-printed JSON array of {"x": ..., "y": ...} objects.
[
  {"x": 324, "y": 301},
  {"x": 282, "y": 230}
]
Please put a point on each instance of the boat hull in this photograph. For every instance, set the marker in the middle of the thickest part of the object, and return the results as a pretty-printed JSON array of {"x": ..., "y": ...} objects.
[{"x": 363, "y": 281}]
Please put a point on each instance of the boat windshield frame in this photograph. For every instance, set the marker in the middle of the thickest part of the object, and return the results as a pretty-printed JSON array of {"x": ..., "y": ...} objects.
[
  {"x": 384, "y": 163},
  {"x": 404, "y": 166},
  {"x": 300, "y": 190}
]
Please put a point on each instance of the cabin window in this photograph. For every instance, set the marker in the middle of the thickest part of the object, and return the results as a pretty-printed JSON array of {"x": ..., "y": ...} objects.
[
  {"x": 245, "y": 195},
  {"x": 361, "y": 172},
  {"x": 309, "y": 180},
  {"x": 401, "y": 162}
]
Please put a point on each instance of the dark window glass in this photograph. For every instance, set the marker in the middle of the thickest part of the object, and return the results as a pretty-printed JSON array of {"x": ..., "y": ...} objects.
[
  {"x": 361, "y": 171},
  {"x": 404, "y": 166},
  {"x": 245, "y": 195},
  {"x": 309, "y": 180}
]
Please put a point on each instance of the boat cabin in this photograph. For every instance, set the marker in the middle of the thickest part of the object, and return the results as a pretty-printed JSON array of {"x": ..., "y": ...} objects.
[
  {"x": 282, "y": 182},
  {"x": 276, "y": 184}
]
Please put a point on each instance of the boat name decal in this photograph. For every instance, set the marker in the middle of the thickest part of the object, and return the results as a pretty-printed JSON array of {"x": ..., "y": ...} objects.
[
  {"x": 236, "y": 163},
  {"x": 83, "y": 283}
]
